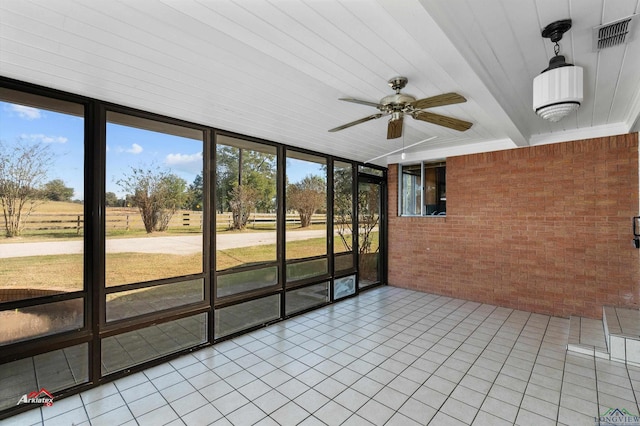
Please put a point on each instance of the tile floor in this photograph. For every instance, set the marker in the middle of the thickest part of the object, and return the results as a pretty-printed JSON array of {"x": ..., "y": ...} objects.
[{"x": 390, "y": 356}]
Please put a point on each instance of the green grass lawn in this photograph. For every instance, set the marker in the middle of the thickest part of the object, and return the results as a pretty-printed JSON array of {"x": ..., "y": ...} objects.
[{"x": 65, "y": 272}]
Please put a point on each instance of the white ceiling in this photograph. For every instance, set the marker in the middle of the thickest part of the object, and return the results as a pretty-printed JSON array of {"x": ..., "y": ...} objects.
[{"x": 275, "y": 69}]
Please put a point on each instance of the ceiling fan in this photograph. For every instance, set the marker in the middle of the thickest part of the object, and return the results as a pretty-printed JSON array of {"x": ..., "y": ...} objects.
[{"x": 399, "y": 105}]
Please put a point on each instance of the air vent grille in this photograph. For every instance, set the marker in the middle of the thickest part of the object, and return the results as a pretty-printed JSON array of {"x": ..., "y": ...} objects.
[{"x": 613, "y": 33}]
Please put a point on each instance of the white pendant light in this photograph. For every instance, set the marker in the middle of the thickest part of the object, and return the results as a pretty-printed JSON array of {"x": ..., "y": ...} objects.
[{"x": 557, "y": 91}]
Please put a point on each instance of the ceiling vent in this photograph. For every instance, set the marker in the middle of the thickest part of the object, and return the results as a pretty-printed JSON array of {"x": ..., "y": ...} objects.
[{"x": 613, "y": 33}]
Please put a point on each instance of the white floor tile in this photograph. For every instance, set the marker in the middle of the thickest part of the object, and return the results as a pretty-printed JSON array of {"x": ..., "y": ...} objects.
[
  {"x": 248, "y": 414},
  {"x": 160, "y": 416},
  {"x": 289, "y": 414},
  {"x": 375, "y": 412},
  {"x": 230, "y": 402},
  {"x": 389, "y": 356},
  {"x": 73, "y": 417},
  {"x": 202, "y": 416},
  {"x": 333, "y": 414},
  {"x": 311, "y": 400}
]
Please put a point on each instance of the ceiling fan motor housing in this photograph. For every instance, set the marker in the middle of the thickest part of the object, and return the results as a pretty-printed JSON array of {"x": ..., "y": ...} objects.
[{"x": 397, "y": 102}]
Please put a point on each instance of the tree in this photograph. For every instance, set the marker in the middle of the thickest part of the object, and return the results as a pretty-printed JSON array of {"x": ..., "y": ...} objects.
[
  {"x": 110, "y": 199},
  {"x": 255, "y": 169},
  {"x": 242, "y": 201},
  {"x": 196, "y": 193},
  {"x": 368, "y": 199},
  {"x": 307, "y": 196},
  {"x": 368, "y": 217},
  {"x": 156, "y": 193},
  {"x": 55, "y": 190},
  {"x": 343, "y": 206},
  {"x": 173, "y": 194},
  {"x": 23, "y": 169}
]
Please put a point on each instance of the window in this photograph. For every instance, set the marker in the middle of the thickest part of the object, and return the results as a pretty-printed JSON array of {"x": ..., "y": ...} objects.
[
  {"x": 246, "y": 219},
  {"x": 423, "y": 189},
  {"x": 343, "y": 216},
  {"x": 41, "y": 200},
  {"x": 371, "y": 171},
  {"x": 174, "y": 234},
  {"x": 306, "y": 215},
  {"x": 153, "y": 216}
]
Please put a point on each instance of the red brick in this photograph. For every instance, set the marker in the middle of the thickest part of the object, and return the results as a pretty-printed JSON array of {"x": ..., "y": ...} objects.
[{"x": 544, "y": 228}]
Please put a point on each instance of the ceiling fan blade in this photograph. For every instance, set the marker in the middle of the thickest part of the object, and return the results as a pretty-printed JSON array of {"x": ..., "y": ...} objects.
[
  {"x": 360, "y": 101},
  {"x": 394, "y": 129},
  {"x": 442, "y": 120},
  {"x": 353, "y": 123},
  {"x": 440, "y": 100}
]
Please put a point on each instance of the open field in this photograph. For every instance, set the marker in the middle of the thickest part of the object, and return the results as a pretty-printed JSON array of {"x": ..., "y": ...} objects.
[
  {"x": 54, "y": 220},
  {"x": 64, "y": 272}
]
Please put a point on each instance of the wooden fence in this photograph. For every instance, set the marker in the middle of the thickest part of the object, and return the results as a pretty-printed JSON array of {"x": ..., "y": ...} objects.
[
  {"x": 225, "y": 220},
  {"x": 128, "y": 220},
  {"x": 54, "y": 222}
]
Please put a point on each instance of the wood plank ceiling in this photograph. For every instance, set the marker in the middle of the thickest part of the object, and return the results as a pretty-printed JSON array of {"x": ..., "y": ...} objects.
[{"x": 275, "y": 69}]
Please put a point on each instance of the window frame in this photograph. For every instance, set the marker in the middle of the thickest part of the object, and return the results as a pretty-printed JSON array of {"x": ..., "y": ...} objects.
[
  {"x": 94, "y": 291},
  {"x": 424, "y": 164}
]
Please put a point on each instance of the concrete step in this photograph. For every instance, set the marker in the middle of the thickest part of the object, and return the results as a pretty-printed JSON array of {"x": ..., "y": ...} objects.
[
  {"x": 587, "y": 336},
  {"x": 623, "y": 334},
  {"x": 615, "y": 337}
]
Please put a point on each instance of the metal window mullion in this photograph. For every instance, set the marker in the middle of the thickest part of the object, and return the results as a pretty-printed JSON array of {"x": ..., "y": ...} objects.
[
  {"x": 423, "y": 208},
  {"x": 400, "y": 190}
]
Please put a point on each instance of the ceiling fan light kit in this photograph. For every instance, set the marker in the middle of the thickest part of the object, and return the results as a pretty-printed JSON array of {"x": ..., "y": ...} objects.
[
  {"x": 558, "y": 90},
  {"x": 400, "y": 105}
]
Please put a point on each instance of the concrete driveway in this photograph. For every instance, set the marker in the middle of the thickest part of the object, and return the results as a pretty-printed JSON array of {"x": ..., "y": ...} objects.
[{"x": 153, "y": 244}]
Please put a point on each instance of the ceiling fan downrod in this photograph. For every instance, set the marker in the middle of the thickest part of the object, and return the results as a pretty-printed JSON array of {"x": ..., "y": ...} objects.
[{"x": 398, "y": 83}]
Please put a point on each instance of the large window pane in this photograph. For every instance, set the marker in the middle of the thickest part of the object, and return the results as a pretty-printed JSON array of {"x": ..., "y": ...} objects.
[
  {"x": 154, "y": 187},
  {"x": 41, "y": 196},
  {"x": 306, "y": 231},
  {"x": 244, "y": 281},
  {"x": 245, "y": 194},
  {"x": 307, "y": 297},
  {"x": 232, "y": 319},
  {"x": 53, "y": 371},
  {"x": 369, "y": 207},
  {"x": 130, "y": 303},
  {"x": 343, "y": 287},
  {"x": 411, "y": 190},
  {"x": 435, "y": 189},
  {"x": 40, "y": 320},
  {"x": 138, "y": 346},
  {"x": 343, "y": 215},
  {"x": 370, "y": 171},
  {"x": 306, "y": 269}
]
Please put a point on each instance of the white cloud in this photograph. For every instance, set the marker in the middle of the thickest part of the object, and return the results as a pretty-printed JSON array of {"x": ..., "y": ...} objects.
[
  {"x": 135, "y": 149},
  {"x": 175, "y": 159},
  {"x": 39, "y": 137},
  {"x": 187, "y": 162},
  {"x": 26, "y": 112}
]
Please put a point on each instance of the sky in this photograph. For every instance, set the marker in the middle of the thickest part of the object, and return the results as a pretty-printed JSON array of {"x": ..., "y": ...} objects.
[
  {"x": 62, "y": 133},
  {"x": 127, "y": 148}
]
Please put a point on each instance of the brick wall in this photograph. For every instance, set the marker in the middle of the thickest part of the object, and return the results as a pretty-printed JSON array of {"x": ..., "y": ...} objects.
[{"x": 546, "y": 229}]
